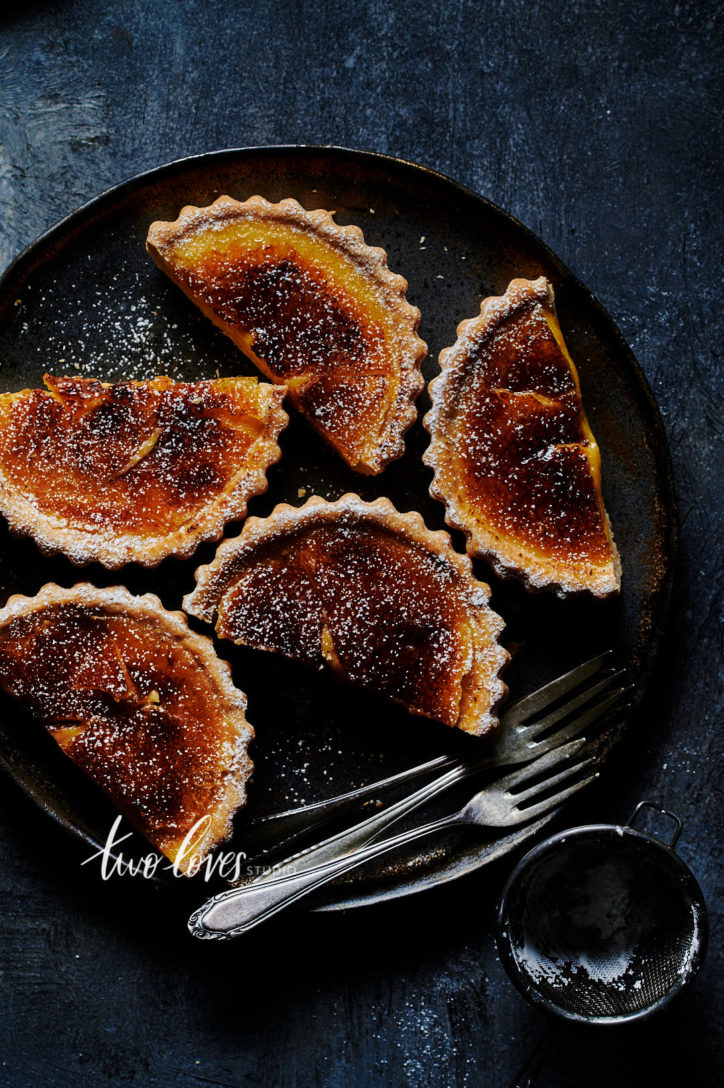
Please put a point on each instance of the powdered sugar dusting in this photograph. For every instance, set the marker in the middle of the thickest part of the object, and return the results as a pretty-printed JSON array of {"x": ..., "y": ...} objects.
[
  {"x": 136, "y": 700},
  {"x": 123, "y": 333},
  {"x": 313, "y": 306},
  {"x": 134, "y": 471},
  {"x": 368, "y": 593},
  {"x": 515, "y": 461}
]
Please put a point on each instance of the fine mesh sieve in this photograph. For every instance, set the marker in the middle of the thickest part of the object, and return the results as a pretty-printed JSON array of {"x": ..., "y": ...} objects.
[{"x": 602, "y": 923}]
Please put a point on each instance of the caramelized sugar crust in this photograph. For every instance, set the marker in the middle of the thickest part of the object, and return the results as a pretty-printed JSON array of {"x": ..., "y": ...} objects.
[
  {"x": 138, "y": 470},
  {"x": 140, "y": 703},
  {"x": 368, "y": 592},
  {"x": 514, "y": 457},
  {"x": 313, "y": 307}
]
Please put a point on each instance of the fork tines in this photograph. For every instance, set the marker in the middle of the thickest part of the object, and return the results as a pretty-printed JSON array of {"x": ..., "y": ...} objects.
[
  {"x": 535, "y": 780},
  {"x": 546, "y": 697}
]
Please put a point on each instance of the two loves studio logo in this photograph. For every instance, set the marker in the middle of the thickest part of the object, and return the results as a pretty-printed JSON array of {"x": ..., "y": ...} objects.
[{"x": 227, "y": 865}]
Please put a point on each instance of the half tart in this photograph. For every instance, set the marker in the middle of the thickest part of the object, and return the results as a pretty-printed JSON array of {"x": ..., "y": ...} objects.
[
  {"x": 136, "y": 471},
  {"x": 515, "y": 460},
  {"x": 140, "y": 703},
  {"x": 369, "y": 592},
  {"x": 313, "y": 307}
]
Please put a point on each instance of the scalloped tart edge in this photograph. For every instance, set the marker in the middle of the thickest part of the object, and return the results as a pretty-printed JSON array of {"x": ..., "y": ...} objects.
[
  {"x": 213, "y": 580},
  {"x": 389, "y": 443},
  {"x": 53, "y": 535},
  {"x": 118, "y": 600},
  {"x": 506, "y": 557}
]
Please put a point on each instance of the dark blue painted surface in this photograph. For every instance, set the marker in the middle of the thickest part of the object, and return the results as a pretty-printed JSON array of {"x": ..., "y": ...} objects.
[{"x": 598, "y": 125}]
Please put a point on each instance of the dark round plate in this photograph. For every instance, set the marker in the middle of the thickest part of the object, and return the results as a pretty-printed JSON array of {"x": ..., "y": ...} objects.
[{"x": 86, "y": 298}]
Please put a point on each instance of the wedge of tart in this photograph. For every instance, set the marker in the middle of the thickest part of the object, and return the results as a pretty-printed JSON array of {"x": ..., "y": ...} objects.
[
  {"x": 313, "y": 307},
  {"x": 136, "y": 471},
  {"x": 371, "y": 594},
  {"x": 514, "y": 457},
  {"x": 140, "y": 703}
]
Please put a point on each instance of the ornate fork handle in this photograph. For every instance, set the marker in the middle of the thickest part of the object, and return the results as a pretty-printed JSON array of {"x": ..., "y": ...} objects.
[
  {"x": 240, "y": 909},
  {"x": 511, "y": 800}
]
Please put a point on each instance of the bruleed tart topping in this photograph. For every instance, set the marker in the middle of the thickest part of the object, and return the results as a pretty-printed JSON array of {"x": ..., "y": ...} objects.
[
  {"x": 134, "y": 471},
  {"x": 137, "y": 701},
  {"x": 515, "y": 460},
  {"x": 141, "y": 470},
  {"x": 313, "y": 307},
  {"x": 369, "y": 593}
]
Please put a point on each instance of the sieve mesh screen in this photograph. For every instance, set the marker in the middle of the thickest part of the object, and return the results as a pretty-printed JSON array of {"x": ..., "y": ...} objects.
[{"x": 603, "y": 927}]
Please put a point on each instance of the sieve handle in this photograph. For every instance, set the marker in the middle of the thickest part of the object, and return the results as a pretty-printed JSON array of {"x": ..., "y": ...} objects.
[{"x": 664, "y": 812}]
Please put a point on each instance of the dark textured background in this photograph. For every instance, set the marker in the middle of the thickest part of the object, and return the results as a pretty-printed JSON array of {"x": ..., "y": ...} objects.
[{"x": 598, "y": 125}]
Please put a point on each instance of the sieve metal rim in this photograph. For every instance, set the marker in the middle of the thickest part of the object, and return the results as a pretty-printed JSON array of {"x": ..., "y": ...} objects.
[{"x": 687, "y": 884}]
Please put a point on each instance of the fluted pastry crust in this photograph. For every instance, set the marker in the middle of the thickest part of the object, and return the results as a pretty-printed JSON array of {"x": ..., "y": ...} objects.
[
  {"x": 134, "y": 471},
  {"x": 313, "y": 307},
  {"x": 140, "y": 702},
  {"x": 515, "y": 461},
  {"x": 368, "y": 592}
]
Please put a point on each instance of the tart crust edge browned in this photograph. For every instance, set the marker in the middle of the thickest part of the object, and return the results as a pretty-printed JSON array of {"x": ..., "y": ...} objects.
[
  {"x": 53, "y": 535},
  {"x": 508, "y": 558},
  {"x": 119, "y": 600},
  {"x": 349, "y": 240},
  {"x": 490, "y": 657}
]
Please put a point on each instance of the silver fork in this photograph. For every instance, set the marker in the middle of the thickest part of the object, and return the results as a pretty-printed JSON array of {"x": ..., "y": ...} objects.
[
  {"x": 523, "y": 735},
  {"x": 503, "y": 804},
  {"x": 525, "y": 741}
]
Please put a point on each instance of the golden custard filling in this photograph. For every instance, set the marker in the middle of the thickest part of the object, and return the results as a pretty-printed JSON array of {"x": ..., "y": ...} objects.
[
  {"x": 313, "y": 307},
  {"x": 515, "y": 459},
  {"x": 245, "y": 267},
  {"x": 136, "y": 701},
  {"x": 375, "y": 609},
  {"x": 367, "y": 592},
  {"x": 152, "y": 461},
  {"x": 526, "y": 450}
]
